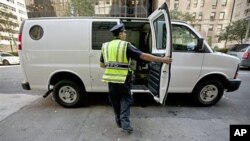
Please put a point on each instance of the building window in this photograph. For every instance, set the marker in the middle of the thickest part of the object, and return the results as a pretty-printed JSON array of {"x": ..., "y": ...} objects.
[
  {"x": 247, "y": 11},
  {"x": 21, "y": 12},
  {"x": 195, "y": 3},
  {"x": 224, "y": 3},
  {"x": 11, "y": 1},
  {"x": 194, "y": 15},
  {"x": 20, "y": 4},
  {"x": 176, "y": 4},
  {"x": 212, "y": 16},
  {"x": 219, "y": 27},
  {"x": 202, "y": 3},
  {"x": 222, "y": 15},
  {"x": 200, "y": 16},
  {"x": 211, "y": 27},
  {"x": 214, "y": 4},
  {"x": 188, "y": 4}
]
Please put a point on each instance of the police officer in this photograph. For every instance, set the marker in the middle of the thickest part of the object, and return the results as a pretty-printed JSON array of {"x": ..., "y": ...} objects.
[{"x": 115, "y": 58}]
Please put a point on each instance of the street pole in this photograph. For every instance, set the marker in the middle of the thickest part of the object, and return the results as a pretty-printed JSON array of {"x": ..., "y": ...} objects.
[{"x": 247, "y": 30}]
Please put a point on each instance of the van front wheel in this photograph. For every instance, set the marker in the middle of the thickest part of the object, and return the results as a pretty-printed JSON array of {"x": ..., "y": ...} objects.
[
  {"x": 67, "y": 93},
  {"x": 208, "y": 92}
]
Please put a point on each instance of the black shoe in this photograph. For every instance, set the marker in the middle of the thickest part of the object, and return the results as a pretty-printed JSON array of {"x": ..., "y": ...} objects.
[
  {"x": 128, "y": 130},
  {"x": 118, "y": 124}
]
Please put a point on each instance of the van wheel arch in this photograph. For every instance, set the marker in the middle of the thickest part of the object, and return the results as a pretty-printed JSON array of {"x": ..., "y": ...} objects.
[
  {"x": 215, "y": 83},
  {"x": 65, "y": 81}
]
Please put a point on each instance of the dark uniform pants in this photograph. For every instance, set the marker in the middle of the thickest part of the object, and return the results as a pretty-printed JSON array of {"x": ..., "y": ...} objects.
[{"x": 121, "y": 99}]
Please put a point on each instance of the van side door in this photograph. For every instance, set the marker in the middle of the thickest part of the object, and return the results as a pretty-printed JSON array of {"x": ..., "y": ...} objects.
[
  {"x": 159, "y": 73},
  {"x": 100, "y": 34}
]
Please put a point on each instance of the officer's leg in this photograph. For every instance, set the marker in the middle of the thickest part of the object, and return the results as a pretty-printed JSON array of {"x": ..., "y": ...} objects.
[
  {"x": 126, "y": 101},
  {"x": 114, "y": 99}
]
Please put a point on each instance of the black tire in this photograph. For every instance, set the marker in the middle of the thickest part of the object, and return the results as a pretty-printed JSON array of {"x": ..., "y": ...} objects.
[
  {"x": 208, "y": 92},
  {"x": 6, "y": 62},
  {"x": 68, "y": 94}
]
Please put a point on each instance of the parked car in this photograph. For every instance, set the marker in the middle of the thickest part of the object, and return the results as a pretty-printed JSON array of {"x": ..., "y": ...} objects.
[
  {"x": 245, "y": 61},
  {"x": 8, "y": 59},
  {"x": 238, "y": 50},
  {"x": 242, "y": 52}
]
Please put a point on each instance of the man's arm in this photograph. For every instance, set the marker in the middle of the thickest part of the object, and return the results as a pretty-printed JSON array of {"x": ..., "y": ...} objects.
[
  {"x": 135, "y": 53},
  {"x": 152, "y": 58}
]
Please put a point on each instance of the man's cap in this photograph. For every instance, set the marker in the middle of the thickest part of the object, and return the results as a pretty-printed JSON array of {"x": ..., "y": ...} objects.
[{"x": 118, "y": 28}]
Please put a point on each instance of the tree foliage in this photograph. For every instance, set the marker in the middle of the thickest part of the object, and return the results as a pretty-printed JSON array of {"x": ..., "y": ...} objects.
[
  {"x": 8, "y": 25},
  {"x": 235, "y": 31},
  {"x": 80, "y": 8},
  {"x": 178, "y": 15}
]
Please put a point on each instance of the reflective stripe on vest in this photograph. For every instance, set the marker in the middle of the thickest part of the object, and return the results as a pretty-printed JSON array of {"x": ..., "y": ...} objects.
[{"x": 116, "y": 62}]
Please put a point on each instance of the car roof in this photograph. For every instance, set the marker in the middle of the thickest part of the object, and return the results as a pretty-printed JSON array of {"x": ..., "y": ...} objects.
[{"x": 239, "y": 47}]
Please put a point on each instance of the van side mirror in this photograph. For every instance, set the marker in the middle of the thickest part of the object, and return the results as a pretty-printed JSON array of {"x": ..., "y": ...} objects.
[{"x": 200, "y": 44}]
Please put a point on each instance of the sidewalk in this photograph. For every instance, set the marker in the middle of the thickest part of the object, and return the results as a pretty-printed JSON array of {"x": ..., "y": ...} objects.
[{"x": 11, "y": 103}]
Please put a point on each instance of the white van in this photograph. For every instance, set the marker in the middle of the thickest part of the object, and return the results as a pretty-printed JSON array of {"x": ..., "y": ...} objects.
[{"x": 62, "y": 55}]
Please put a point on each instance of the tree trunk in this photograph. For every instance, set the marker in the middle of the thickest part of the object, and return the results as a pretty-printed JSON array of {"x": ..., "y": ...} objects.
[
  {"x": 11, "y": 46},
  {"x": 225, "y": 45}
]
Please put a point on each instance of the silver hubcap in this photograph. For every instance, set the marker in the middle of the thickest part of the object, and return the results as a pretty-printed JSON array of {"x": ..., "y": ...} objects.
[
  {"x": 209, "y": 93},
  {"x": 67, "y": 94}
]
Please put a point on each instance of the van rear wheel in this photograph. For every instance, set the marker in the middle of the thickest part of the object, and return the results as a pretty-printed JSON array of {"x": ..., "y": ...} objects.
[
  {"x": 208, "y": 92},
  {"x": 67, "y": 93}
]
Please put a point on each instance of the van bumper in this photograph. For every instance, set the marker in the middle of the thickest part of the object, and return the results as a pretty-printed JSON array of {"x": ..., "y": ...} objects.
[
  {"x": 26, "y": 86},
  {"x": 233, "y": 85}
]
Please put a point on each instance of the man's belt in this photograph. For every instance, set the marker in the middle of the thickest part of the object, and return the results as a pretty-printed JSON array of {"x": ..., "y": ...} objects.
[{"x": 113, "y": 65}]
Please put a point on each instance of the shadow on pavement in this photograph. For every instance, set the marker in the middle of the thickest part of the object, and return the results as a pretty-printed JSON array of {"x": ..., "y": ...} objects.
[{"x": 141, "y": 100}]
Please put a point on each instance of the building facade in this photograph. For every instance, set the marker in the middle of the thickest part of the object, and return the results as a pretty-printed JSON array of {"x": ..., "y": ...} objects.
[
  {"x": 18, "y": 9},
  {"x": 211, "y": 16},
  {"x": 123, "y": 8},
  {"x": 46, "y": 8},
  {"x": 114, "y": 8},
  {"x": 241, "y": 10}
]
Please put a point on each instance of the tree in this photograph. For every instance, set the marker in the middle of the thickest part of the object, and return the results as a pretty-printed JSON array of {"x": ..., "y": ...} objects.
[
  {"x": 235, "y": 31},
  {"x": 80, "y": 8},
  {"x": 178, "y": 15},
  {"x": 225, "y": 34},
  {"x": 239, "y": 29},
  {"x": 8, "y": 26}
]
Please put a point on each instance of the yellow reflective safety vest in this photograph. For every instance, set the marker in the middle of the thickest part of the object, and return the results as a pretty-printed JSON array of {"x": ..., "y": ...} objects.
[{"x": 116, "y": 62}]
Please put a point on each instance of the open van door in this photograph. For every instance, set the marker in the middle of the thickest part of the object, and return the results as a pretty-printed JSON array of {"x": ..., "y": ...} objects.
[{"x": 159, "y": 73}]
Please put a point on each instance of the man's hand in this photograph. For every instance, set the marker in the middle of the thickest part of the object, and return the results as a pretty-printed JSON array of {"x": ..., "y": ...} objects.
[
  {"x": 167, "y": 60},
  {"x": 102, "y": 65}
]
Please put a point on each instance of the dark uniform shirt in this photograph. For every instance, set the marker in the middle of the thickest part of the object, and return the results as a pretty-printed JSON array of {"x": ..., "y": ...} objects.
[{"x": 132, "y": 52}]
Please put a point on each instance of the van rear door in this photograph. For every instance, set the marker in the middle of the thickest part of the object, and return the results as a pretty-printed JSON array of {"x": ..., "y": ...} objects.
[{"x": 159, "y": 76}]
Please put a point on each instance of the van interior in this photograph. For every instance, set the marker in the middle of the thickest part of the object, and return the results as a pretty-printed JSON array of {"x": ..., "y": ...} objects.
[{"x": 139, "y": 34}]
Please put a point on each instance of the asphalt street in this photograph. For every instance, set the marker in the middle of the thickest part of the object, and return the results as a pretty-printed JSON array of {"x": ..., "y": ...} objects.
[{"x": 29, "y": 117}]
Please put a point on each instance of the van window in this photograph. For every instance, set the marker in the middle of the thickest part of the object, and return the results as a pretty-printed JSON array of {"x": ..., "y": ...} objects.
[
  {"x": 36, "y": 32},
  {"x": 184, "y": 39},
  {"x": 101, "y": 33},
  {"x": 161, "y": 31}
]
